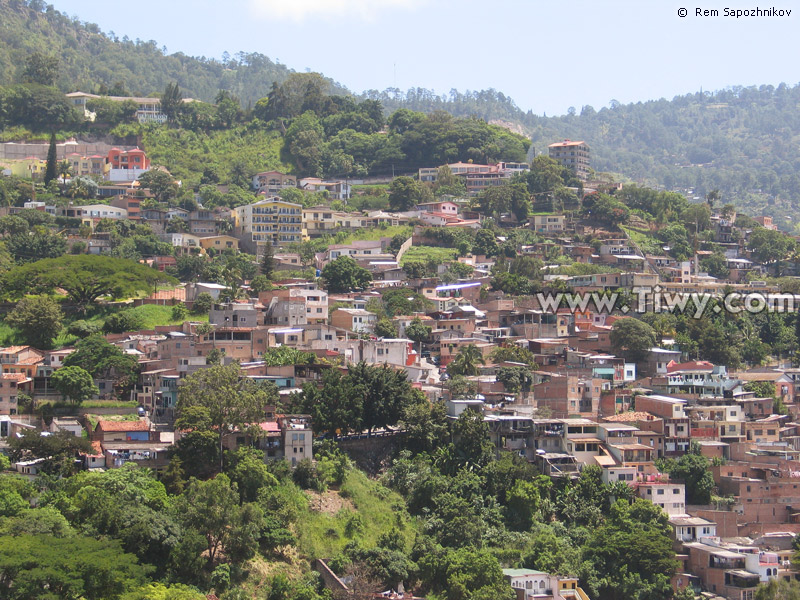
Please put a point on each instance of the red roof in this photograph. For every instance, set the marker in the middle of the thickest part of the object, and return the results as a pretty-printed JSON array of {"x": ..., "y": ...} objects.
[
  {"x": 695, "y": 365},
  {"x": 269, "y": 426},
  {"x": 123, "y": 426},
  {"x": 98, "y": 450}
]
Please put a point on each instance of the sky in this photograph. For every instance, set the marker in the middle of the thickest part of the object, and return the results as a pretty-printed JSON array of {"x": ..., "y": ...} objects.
[{"x": 548, "y": 55}]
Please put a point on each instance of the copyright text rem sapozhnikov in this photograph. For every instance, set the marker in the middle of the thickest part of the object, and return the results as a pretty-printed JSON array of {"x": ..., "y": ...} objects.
[{"x": 740, "y": 13}]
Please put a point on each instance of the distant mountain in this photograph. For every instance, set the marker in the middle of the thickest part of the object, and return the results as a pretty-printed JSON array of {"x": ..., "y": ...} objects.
[{"x": 90, "y": 59}]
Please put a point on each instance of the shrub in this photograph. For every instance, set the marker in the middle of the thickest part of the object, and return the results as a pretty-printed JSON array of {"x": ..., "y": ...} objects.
[
  {"x": 83, "y": 328},
  {"x": 123, "y": 321}
]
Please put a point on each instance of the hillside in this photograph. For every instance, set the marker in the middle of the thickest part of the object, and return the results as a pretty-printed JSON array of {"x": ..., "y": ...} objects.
[
  {"x": 90, "y": 59},
  {"x": 742, "y": 141}
]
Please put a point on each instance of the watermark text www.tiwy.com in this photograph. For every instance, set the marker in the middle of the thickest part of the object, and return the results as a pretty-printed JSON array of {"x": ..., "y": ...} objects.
[{"x": 656, "y": 300}]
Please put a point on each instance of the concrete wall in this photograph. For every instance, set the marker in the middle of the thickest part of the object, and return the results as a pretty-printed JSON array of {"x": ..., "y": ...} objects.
[{"x": 19, "y": 151}]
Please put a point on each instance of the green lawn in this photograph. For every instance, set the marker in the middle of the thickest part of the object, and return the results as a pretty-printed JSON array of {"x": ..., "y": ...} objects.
[
  {"x": 426, "y": 253},
  {"x": 377, "y": 233},
  {"x": 152, "y": 315}
]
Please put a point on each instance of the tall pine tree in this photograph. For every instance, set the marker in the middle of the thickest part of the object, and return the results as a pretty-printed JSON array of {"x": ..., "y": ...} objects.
[
  {"x": 51, "y": 170},
  {"x": 268, "y": 260}
]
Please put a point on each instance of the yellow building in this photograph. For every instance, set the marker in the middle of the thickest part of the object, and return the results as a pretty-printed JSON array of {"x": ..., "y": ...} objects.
[
  {"x": 270, "y": 219},
  {"x": 27, "y": 167},
  {"x": 219, "y": 242},
  {"x": 88, "y": 165}
]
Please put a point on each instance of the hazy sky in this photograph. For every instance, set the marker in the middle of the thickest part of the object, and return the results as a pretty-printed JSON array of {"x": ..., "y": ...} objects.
[{"x": 547, "y": 55}]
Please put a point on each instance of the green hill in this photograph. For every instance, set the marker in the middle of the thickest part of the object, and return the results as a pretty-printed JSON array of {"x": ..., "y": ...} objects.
[
  {"x": 90, "y": 60},
  {"x": 742, "y": 141}
]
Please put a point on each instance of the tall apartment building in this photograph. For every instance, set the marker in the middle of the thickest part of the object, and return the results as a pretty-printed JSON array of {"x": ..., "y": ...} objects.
[
  {"x": 270, "y": 219},
  {"x": 574, "y": 155}
]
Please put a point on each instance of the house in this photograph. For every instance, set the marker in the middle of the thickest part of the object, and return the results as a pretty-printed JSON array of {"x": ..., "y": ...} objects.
[
  {"x": 219, "y": 242},
  {"x": 272, "y": 182},
  {"x": 122, "y": 431},
  {"x": 336, "y": 190},
  {"x": 148, "y": 109},
  {"x": 354, "y": 319},
  {"x": 10, "y": 386},
  {"x": 673, "y": 423},
  {"x": 444, "y": 207},
  {"x": 547, "y": 223},
  {"x": 68, "y": 424},
  {"x": 670, "y": 497},
  {"x": 536, "y": 585}
]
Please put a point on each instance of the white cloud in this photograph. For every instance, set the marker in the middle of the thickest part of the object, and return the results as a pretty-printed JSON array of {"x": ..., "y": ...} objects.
[{"x": 300, "y": 10}]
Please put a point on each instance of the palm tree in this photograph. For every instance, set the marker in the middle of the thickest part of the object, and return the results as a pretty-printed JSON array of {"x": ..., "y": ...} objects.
[
  {"x": 64, "y": 169},
  {"x": 467, "y": 361}
]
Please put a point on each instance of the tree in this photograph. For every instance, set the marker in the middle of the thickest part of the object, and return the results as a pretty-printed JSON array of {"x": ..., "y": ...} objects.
[
  {"x": 344, "y": 275},
  {"x": 203, "y": 303},
  {"x": 471, "y": 439},
  {"x": 485, "y": 243},
  {"x": 171, "y": 101},
  {"x": 418, "y": 332},
  {"x": 335, "y": 408},
  {"x": 82, "y": 187},
  {"x": 778, "y": 589},
  {"x": 515, "y": 379},
  {"x": 247, "y": 470},
  {"x": 385, "y": 328},
  {"x": 38, "y": 318},
  {"x": 59, "y": 449},
  {"x": 715, "y": 265},
  {"x": 124, "y": 320},
  {"x": 74, "y": 383},
  {"x": 268, "y": 261},
  {"x": 474, "y": 574},
  {"x": 514, "y": 353},
  {"x": 260, "y": 283},
  {"x": 466, "y": 361},
  {"x": 769, "y": 246},
  {"x": 68, "y": 568},
  {"x": 85, "y": 278},
  {"x": 605, "y": 209},
  {"x": 103, "y": 360},
  {"x": 160, "y": 183},
  {"x": 212, "y": 509},
  {"x": 405, "y": 193},
  {"x": 633, "y": 551},
  {"x": 425, "y": 424},
  {"x": 632, "y": 339},
  {"x": 39, "y": 243},
  {"x": 231, "y": 401},
  {"x": 51, "y": 167},
  {"x": 693, "y": 470},
  {"x": 385, "y": 393},
  {"x": 40, "y": 68},
  {"x": 503, "y": 199}
]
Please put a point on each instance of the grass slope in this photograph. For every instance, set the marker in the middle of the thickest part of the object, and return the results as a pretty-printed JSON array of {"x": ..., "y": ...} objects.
[
  {"x": 151, "y": 316},
  {"x": 360, "y": 510},
  {"x": 426, "y": 253}
]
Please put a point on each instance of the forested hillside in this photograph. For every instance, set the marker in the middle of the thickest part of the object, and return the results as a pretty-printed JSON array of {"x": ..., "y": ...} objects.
[
  {"x": 92, "y": 61},
  {"x": 741, "y": 141}
]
